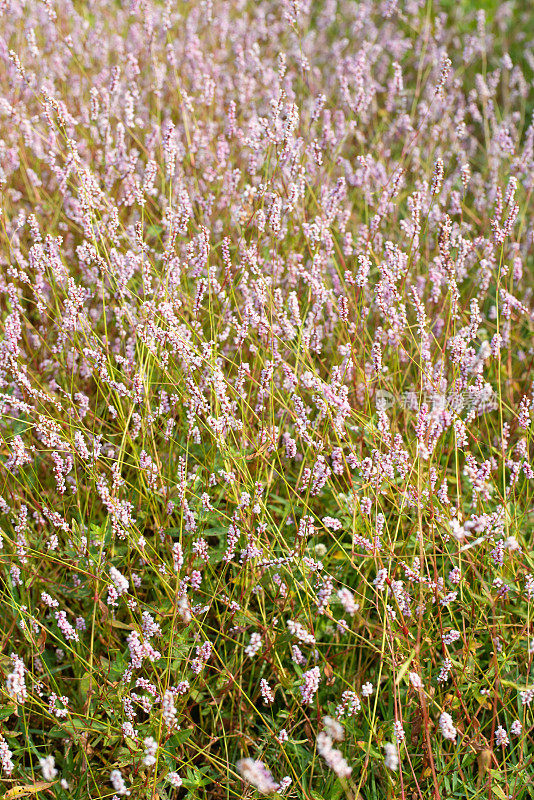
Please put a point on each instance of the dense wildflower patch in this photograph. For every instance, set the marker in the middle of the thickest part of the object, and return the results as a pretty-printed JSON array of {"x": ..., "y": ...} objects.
[{"x": 266, "y": 295}]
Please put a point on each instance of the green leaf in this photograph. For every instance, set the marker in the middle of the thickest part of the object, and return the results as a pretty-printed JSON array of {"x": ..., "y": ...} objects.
[{"x": 178, "y": 738}]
